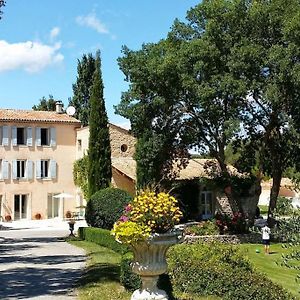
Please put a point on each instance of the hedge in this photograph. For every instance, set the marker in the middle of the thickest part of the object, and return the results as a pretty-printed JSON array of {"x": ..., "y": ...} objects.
[
  {"x": 101, "y": 237},
  {"x": 219, "y": 270}
]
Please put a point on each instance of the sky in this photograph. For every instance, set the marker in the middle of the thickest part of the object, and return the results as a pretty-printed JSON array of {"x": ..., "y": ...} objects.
[{"x": 41, "y": 41}]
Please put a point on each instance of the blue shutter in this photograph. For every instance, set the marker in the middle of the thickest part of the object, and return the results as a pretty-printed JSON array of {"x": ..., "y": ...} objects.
[
  {"x": 29, "y": 169},
  {"x": 14, "y": 169},
  {"x": 52, "y": 137},
  {"x": 38, "y": 136},
  {"x": 53, "y": 169},
  {"x": 14, "y": 136},
  {"x": 38, "y": 169},
  {"x": 5, "y": 138},
  {"x": 29, "y": 136},
  {"x": 5, "y": 171}
]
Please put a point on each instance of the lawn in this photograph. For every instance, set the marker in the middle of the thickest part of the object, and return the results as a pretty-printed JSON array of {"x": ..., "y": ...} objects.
[{"x": 270, "y": 265}]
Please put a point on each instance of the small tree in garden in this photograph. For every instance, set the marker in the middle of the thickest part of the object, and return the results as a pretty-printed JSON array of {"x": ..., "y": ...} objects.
[
  {"x": 80, "y": 175},
  {"x": 99, "y": 155}
]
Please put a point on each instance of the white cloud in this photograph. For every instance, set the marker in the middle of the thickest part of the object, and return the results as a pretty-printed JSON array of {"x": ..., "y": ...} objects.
[
  {"x": 54, "y": 33},
  {"x": 29, "y": 56},
  {"x": 93, "y": 22}
]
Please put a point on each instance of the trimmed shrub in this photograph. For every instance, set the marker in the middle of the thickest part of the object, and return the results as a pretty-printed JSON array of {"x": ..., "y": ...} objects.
[
  {"x": 101, "y": 237},
  {"x": 219, "y": 270},
  {"x": 128, "y": 279},
  {"x": 105, "y": 207}
]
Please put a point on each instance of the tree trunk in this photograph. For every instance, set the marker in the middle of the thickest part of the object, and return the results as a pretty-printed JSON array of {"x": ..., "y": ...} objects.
[{"x": 277, "y": 175}]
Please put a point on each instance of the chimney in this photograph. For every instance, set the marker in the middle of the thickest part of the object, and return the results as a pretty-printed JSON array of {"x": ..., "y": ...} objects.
[{"x": 59, "y": 107}]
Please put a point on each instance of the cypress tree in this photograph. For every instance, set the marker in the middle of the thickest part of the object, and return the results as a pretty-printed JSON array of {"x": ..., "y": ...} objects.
[
  {"x": 82, "y": 88},
  {"x": 99, "y": 173}
]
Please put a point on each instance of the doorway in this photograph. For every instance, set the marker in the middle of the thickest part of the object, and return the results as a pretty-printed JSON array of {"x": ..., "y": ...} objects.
[
  {"x": 206, "y": 204},
  {"x": 20, "y": 207},
  {"x": 53, "y": 206}
]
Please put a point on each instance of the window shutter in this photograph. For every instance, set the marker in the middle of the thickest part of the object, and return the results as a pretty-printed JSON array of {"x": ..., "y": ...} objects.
[
  {"x": 52, "y": 137},
  {"x": 29, "y": 136},
  {"x": 14, "y": 169},
  {"x": 29, "y": 169},
  {"x": 38, "y": 169},
  {"x": 53, "y": 169},
  {"x": 38, "y": 136},
  {"x": 14, "y": 135},
  {"x": 4, "y": 167},
  {"x": 5, "y": 139}
]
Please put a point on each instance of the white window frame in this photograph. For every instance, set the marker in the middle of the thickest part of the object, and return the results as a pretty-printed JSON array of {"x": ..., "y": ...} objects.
[
  {"x": 45, "y": 168},
  {"x": 207, "y": 205}
]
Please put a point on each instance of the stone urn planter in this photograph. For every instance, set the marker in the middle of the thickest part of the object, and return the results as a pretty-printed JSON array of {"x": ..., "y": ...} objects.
[{"x": 150, "y": 261}]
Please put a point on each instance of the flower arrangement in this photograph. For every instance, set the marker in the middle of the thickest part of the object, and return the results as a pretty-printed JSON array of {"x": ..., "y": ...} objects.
[
  {"x": 234, "y": 224},
  {"x": 148, "y": 213}
]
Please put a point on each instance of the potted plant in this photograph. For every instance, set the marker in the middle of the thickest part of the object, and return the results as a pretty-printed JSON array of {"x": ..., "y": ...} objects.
[
  {"x": 148, "y": 228},
  {"x": 8, "y": 218},
  {"x": 38, "y": 216}
]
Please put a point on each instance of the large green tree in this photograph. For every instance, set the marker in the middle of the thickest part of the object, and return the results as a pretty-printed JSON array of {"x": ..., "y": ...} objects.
[
  {"x": 99, "y": 155},
  {"x": 82, "y": 88},
  {"x": 46, "y": 104}
]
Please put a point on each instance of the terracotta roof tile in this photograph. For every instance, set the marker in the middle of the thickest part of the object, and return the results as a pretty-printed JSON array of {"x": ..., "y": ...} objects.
[{"x": 13, "y": 115}]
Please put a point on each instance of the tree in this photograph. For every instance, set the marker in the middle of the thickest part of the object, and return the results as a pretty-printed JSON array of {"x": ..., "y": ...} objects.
[
  {"x": 82, "y": 88},
  {"x": 2, "y": 4},
  {"x": 99, "y": 155},
  {"x": 46, "y": 104},
  {"x": 150, "y": 104}
]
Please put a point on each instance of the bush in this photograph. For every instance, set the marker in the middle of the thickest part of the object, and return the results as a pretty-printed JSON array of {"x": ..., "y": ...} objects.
[
  {"x": 105, "y": 207},
  {"x": 219, "y": 270},
  {"x": 284, "y": 206},
  {"x": 101, "y": 237},
  {"x": 128, "y": 279},
  {"x": 203, "y": 228}
]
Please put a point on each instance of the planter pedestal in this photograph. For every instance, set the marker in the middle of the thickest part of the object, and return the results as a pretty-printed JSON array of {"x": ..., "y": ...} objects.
[{"x": 150, "y": 261}]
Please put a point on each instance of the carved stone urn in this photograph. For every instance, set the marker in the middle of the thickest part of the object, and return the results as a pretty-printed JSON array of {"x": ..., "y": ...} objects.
[{"x": 150, "y": 261}]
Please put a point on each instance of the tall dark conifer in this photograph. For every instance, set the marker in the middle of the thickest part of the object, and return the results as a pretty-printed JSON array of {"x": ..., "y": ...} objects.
[
  {"x": 82, "y": 88},
  {"x": 99, "y": 175}
]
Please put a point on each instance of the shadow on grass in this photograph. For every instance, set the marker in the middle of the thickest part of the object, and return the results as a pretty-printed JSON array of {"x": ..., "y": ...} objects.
[{"x": 101, "y": 272}]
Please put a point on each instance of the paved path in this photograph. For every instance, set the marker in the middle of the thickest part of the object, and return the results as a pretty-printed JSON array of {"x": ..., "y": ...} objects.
[{"x": 36, "y": 263}]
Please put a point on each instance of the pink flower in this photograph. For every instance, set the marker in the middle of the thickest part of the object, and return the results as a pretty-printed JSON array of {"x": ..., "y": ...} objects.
[
  {"x": 128, "y": 208},
  {"x": 123, "y": 219}
]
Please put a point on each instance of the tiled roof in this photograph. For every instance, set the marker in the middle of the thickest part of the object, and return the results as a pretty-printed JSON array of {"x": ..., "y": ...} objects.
[
  {"x": 196, "y": 168},
  {"x": 16, "y": 115}
]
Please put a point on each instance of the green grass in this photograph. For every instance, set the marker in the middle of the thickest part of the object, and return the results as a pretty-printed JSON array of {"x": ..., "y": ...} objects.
[
  {"x": 271, "y": 265},
  {"x": 263, "y": 209},
  {"x": 101, "y": 280}
]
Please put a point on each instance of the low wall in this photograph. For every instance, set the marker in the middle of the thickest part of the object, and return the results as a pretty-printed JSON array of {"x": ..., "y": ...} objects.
[{"x": 254, "y": 238}]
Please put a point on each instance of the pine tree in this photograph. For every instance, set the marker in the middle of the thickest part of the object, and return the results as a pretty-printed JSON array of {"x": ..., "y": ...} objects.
[
  {"x": 100, "y": 173},
  {"x": 82, "y": 88}
]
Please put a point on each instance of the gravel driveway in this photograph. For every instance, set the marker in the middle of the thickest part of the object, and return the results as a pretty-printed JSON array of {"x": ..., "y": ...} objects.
[{"x": 37, "y": 264}]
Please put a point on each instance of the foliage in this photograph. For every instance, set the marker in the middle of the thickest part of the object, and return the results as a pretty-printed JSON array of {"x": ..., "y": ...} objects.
[
  {"x": 80, "y": 174},
  {"x": 224, "y": 273},
  {"x": 82, "y": 88},
  {"x": 128, "y": 279},
  {"x": 105, "y": 207},
  {"x": 99, "y": 155},
  {"x": 203, "y": 228},
  {"x": 233, "y": 224},
  {"x": 46, "y": 104},
  {"x": 149, "y": 212},
  {"x": 284, "y": 206},
  {"x": 101, "y": 237},
  {"x": 2, "y": 3}
]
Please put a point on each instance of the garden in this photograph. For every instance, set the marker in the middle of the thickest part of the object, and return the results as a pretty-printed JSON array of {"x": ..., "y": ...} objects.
[{"x": 198, "y": 270}]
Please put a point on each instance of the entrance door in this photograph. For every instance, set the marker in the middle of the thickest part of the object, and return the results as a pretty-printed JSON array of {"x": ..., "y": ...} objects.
[
  {"x": 206, "y": 205},
  {"x": 53, "y": 206},
  {"x": 20, "y": 207}
]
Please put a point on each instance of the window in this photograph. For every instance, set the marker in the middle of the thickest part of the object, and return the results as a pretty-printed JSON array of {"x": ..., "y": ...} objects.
[
  {"x": 206, "y": 204},
  {"x": 21, "y": 167},
  {"x": 79, "y": 144},
  {"x": 44, "y": 168},
  {"x": 21, "y": 139},
  {"x": 45, "y": 137},
  {"x": 124, "y": 148},
  {"x": 20, "y": 207}
]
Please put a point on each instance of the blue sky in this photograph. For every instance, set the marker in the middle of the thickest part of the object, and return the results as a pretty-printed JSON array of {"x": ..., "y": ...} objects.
[{"x": 41, "y": 40}]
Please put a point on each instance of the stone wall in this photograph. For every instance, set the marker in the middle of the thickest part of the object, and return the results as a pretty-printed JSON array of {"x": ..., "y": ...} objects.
[{"x": 228, "y": 239}]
